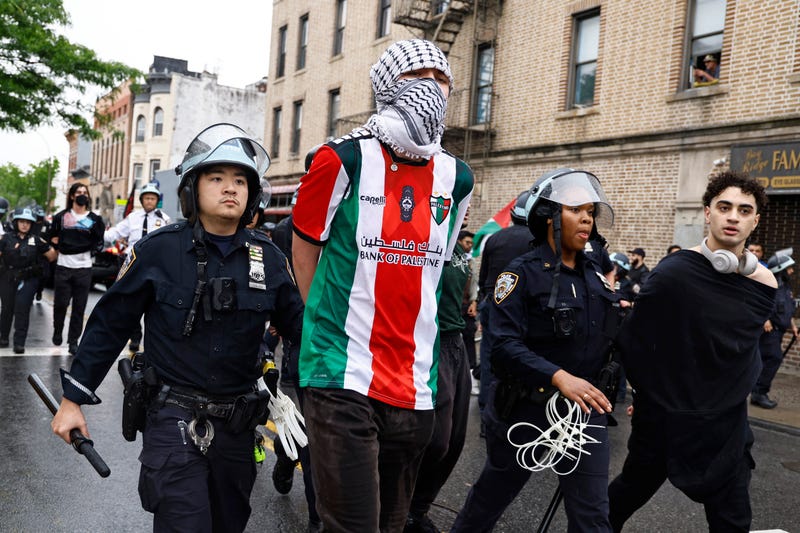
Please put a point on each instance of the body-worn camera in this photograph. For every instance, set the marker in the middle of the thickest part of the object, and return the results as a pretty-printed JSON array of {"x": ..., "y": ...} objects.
[
  {"x": 223, "y": 294},
  {"x": 564, "y": 322}
]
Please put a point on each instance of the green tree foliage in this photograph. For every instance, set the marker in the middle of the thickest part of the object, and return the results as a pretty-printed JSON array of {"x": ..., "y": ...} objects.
[
  {"x": 43, "y": 74},
  {"x": 27, "y": 188}
]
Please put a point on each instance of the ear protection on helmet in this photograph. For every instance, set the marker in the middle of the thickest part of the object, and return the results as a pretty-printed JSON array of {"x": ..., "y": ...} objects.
[{"x": 726, "y": 262}]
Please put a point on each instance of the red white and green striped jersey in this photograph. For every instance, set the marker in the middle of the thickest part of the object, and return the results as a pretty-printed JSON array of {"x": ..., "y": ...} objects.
[{"x": 387, "y": 228}]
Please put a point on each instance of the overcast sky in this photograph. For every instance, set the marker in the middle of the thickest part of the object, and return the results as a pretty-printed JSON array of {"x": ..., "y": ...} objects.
[{"x": 229, "y": 38}]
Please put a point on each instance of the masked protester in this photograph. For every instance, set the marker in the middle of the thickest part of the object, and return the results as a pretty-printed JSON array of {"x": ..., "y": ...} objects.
[
  {"x": 207, "y": 288},
  {"x": 21, "y": 252},
  {"x": 377, "y": 215},
  {"x": 548, "y": 314},
  {"x": 76, "y": 233}
]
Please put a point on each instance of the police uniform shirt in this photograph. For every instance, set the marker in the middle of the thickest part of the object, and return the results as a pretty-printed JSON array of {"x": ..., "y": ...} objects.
[
  {"x": 158, "y": 279},
  {"x": 19, "y": 253},
  {"x": 525, "y": 344},
  {"x": 132, "y": 226}
]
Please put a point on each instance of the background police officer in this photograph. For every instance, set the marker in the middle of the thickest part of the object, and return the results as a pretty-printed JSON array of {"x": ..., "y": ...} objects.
[
  {"x": 20, "y": 255},
  {"x": 135, "y": 226},
  {"x": 207, "y": 287},
  {"x": 769, "y": 344},
  {"x": 498, "y": 250},
  {"x": 547, "y": 321}
]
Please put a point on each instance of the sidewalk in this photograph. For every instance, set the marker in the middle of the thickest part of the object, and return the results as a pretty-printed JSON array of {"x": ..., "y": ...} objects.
[{"x": 786, "y": 416}]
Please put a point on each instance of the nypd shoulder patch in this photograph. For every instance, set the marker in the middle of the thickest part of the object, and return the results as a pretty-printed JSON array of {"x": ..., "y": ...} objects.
[
  {"x": 505, "y": 285},
  {"x": 129, "y": 260}
]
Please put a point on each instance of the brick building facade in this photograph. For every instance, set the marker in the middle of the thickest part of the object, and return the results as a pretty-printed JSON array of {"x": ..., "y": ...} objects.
[{"x": 603, "y": 85}]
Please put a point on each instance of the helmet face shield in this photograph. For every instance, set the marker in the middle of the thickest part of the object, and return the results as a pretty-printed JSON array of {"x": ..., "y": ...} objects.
[
  {"x": 575, "y": 188},
  {"x": 225, "y": 144}
]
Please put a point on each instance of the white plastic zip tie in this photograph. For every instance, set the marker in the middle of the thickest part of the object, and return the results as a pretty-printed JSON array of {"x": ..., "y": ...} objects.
[
  {"x": 564, "y": 438},
  {"x": 287, "y": 420}
]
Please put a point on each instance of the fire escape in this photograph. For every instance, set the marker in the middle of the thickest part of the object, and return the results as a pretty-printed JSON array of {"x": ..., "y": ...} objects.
[
  {"x": 468, "y": 133},
  {"x": 469, "y": 130}
]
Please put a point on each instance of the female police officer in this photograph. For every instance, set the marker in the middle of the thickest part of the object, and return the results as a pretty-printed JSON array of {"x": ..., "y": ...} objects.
[
  {"x": 548, "y": 316},
  {"x": 20, "y": 253},
  {"x": 207, "y": 289}
]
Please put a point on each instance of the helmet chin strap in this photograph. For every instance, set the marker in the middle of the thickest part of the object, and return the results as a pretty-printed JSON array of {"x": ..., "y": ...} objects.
[{"x": 551, "y": 303}]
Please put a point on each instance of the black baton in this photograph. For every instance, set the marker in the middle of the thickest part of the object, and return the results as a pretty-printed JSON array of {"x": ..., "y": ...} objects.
[
  {"x": 82, "y": 445},
  {"x": 551, "y": 511}
]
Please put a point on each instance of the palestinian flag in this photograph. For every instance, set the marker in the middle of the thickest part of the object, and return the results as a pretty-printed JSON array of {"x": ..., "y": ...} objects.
[
  {"x": 500, "y": 220},
  {"x": 129, "y": 205}
]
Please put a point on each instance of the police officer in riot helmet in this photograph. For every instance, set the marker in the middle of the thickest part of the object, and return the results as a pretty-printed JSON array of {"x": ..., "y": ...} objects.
[
  {"x": 781, "y": 320},
  {"x": 206, "y": 287},
  {"x": 548, "y": 314},
  {"x": 21, "y": 252},
  {"x": 497, "y": 250}
]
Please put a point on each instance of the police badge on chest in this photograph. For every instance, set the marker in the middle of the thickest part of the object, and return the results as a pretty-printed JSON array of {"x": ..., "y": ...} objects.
[{"x": 256, "y": 275}]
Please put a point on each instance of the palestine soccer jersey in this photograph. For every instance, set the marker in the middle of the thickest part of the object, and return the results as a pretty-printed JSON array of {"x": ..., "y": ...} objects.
[{"x": 386, "y": 229}]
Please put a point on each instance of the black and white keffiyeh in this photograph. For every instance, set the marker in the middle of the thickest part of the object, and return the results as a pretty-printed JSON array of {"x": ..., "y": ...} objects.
[{"x": 411, "y": 113}]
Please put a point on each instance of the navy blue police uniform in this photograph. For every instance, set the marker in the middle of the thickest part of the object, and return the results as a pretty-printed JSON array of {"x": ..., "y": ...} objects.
[
  {"x": 526, "y": 347},
  {"x": 20, "y": 270},
  {"x": 218, "y": 361},
  {"x": 769, "y": 343},
  {"x": 499, "y": 249}
]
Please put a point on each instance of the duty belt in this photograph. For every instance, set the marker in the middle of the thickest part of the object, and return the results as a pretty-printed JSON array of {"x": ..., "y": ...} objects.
[{"x": 197, "y": 402}]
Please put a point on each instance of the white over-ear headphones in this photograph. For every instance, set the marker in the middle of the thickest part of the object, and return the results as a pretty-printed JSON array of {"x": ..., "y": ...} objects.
[{"x": 726, "y": 262}]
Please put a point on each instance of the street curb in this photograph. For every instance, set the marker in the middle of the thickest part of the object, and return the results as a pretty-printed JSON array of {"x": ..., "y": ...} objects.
[{"x": 774, "y": 426}]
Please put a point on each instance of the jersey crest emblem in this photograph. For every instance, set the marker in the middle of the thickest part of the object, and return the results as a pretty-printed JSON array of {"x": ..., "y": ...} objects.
[
  {"x": 505, "y": 285},
  {"x": 440, "y": 207},
  {"x": 407, "y": 203}
]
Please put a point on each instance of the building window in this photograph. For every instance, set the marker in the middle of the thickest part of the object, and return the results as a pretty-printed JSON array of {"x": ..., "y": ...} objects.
[
  {"x": 440, "y": 6},
  {"x": 483, "y": 84},
  {"x": 302, "y": 42},
  {"x": 140, "y": 125},
  {"x": 155, "y": 166},
  {"x": 586, "y": 43},
  {"x": 705, "y": 39},
  {"x": 158, "y": 122},
  {"x": 281, "y": 67},
  {"x": 384, "y": 17},
  {"x": 338, "y": 31},
  {"x": 297, "y": 124},
  {"x": 277, "y": 120},
  {"x": 138, "y": 169},
  {"x": 334, "y": 98}
]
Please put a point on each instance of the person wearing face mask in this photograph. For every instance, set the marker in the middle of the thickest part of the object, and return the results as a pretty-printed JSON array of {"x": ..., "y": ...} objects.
[
  {"x": 377, "y": 216},
  {"x": 76, "y": 232}
]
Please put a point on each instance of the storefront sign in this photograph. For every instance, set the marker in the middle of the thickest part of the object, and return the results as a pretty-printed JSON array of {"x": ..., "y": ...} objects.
[{"x": 776, "y": 166}]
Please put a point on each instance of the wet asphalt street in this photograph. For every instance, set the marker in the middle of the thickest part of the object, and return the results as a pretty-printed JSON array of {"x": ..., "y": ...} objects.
[{"x": 48, "y": 487}]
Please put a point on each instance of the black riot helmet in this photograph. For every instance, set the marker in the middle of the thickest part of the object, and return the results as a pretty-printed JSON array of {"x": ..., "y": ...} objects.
[
  {"x": 779, "y": 262},
  {"x": 3, "y": 206},
  {"x": 310, "y": 156},
  {"x": 222, "y": 144},
  {"x": 518, "y": 213},
  {"x": 570, "y": 187},
  {"x": 564, "y": 187}
]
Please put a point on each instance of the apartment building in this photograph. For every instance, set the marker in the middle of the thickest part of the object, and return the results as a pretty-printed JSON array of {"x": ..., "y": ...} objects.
[
  {"x": 608, "y": 86},
  {"x": 108, "y": 169}
]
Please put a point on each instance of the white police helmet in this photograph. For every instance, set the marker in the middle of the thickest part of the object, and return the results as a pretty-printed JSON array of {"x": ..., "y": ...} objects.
[
  {"x": 150, "y": 188},
  {"x": 222, "y": 144}
]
